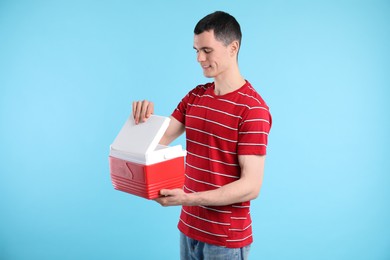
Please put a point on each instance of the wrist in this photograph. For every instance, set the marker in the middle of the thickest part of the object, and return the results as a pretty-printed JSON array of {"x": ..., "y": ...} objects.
[{"x": 192, "y": 199}]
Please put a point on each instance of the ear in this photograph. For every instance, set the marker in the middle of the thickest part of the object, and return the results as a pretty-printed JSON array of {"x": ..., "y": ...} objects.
[{"x": 233, "y": 48}]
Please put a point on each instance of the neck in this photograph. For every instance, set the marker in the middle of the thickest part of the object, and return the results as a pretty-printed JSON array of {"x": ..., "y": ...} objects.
[{"x": 228, "y": 82}]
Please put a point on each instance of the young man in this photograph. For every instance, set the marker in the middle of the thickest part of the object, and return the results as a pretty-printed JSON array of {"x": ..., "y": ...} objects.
[{"x": 227, "y": 125}]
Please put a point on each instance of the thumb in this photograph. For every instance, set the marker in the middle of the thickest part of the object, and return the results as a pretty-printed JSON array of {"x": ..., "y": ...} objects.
[{"x": 164, "y": 192}]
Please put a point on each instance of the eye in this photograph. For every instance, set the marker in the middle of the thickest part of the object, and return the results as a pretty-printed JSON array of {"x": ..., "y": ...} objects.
[{"x": 207, "y": 50}]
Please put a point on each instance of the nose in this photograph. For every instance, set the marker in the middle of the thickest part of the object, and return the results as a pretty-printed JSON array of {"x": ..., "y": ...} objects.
[{"x": 201, "y": 56}]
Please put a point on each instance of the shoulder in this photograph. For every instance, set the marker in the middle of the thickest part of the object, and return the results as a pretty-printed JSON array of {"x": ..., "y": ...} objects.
[
  {"x": 202, "y": 88},
  {"x": 251, "y": 97},
  {"x": 200, "y": 91}
]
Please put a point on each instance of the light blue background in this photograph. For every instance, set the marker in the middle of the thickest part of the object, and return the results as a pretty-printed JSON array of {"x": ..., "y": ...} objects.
[{"x": 69, "y": 71}]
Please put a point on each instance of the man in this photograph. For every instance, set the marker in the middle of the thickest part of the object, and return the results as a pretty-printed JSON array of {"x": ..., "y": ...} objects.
[{"x": 227, "y": 125}]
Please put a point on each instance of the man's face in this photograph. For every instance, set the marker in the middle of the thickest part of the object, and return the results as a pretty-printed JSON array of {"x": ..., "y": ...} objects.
[{"x": 213, "y": 56}]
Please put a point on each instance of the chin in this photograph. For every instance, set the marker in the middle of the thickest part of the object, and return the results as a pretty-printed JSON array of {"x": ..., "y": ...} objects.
[{"x": 208, "y": 75}]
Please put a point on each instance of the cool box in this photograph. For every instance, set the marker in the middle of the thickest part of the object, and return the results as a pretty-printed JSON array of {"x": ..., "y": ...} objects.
[{"x": 142, "y": 167}]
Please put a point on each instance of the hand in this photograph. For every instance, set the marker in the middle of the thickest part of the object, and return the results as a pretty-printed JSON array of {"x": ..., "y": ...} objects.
[
  {"x": 142, "y": 110},
  {"x": 173, "y": 197}
]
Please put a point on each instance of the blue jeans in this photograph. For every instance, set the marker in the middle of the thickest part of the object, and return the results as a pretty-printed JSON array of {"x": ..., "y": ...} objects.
[{"x": 191, "y": 249}]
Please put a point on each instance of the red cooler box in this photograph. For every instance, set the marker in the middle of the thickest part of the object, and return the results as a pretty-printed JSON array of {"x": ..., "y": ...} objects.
[{"x": 142, "y": 167}]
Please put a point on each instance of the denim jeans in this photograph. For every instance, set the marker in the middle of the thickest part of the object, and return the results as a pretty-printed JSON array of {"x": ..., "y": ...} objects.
[{"x": 191, "y": 249}]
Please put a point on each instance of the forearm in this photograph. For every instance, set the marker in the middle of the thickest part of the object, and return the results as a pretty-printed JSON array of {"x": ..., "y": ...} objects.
[
  {"x": 238, "y": 191},
  {"x": 244, "y": 189},
  {"x": 175, "y": 129}
]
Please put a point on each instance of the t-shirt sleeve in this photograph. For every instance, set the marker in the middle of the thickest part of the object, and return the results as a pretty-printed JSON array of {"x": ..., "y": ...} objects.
[
  {"x": 181, "y": 110},
  {"x": 253, "y": 131}
]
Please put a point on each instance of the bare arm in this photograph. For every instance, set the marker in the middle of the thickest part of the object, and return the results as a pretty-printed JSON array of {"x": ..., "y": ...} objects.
[
  {"x": 174, "y": 130},
  {"x": 142, "y": 110},
  {"x": 244, "y": 189}
]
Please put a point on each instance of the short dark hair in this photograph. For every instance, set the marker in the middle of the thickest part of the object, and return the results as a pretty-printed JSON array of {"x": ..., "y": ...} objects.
[{"x": 226, "y": 28}]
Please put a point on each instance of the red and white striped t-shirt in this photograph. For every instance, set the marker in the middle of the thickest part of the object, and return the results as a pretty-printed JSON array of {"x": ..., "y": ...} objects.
[{"x": 218, "y": 129}]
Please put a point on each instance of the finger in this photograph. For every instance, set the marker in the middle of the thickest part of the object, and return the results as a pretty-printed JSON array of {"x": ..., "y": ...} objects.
[
  {"x": 144, "y": 110},
  {"x": 164, "y": 192},
  {"x": 134, "y": 107},
  {"x": 150, "y": 110},
  {"x": 138, "y": 112},
  {"x": 163, "y": 201}
]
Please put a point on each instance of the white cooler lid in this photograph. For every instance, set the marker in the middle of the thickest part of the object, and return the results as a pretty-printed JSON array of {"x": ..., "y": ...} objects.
[{"x": 142, "y": 138}]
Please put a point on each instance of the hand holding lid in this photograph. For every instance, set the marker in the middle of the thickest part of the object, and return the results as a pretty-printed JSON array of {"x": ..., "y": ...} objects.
[{"x": 142, "y": 110}]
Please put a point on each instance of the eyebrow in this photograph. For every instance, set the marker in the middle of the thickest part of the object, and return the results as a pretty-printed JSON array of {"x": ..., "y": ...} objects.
[{"x": 203, "y": 48}]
